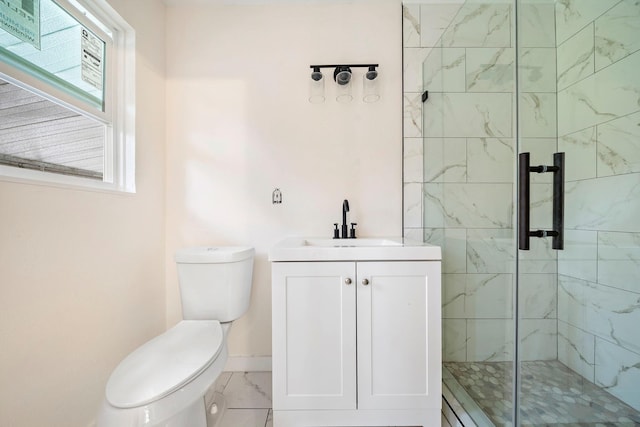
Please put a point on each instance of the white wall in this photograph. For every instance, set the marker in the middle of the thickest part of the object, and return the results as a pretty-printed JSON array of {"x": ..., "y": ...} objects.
[
  {"x": 82, "y": 272},
  {"x": 239, "y": 125}
]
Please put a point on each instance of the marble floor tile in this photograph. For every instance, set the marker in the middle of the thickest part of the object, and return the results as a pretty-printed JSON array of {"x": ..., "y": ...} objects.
[
  {"x": 244, "y": 418},
  {"x": 242, "y": 391},
  {"x": 249, "y": 390}
]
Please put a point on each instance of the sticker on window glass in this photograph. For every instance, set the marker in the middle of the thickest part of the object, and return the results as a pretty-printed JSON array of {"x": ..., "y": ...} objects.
[
  {"x": 92, "y": 59},
  {"x": 22, "y": 19}
]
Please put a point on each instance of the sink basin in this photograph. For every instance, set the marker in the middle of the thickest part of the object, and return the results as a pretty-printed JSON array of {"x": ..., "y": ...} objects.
[{"x": 360, "y": 249}]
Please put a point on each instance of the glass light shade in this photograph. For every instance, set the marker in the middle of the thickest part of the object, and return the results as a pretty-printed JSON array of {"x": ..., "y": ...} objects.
[
  {"x": 316, "y": 90},
  {"x": 370, "y": 88},
  {"x": 343, "y": 93}
]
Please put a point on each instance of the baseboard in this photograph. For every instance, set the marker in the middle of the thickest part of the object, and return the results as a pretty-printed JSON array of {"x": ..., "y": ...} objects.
[{"x": 248, "y": 363}]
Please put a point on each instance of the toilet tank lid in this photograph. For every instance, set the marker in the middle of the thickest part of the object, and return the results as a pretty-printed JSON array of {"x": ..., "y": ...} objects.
[
  {"x": 213, "y": 254},
  {"x": 164, "y": 364}
]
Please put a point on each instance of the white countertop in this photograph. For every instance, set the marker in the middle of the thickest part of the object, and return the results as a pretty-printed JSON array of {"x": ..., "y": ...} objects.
[{"x": 359, "y": 249}]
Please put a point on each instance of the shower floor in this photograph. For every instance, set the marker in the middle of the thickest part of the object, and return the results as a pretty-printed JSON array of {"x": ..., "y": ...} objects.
[{"x": 552, "y": 395}]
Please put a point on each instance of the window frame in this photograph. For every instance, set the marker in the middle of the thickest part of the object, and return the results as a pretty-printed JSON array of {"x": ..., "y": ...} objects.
[{"x": 118, "y": 101}]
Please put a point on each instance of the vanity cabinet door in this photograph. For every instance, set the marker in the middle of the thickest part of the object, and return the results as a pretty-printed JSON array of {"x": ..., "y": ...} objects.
[
  {"x": 314, "y": 335},
  {"x": 399, "y": 335}
]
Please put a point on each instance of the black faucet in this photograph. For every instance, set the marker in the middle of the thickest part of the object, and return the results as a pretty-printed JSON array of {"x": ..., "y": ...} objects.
[{"x": 345, "y": 209}]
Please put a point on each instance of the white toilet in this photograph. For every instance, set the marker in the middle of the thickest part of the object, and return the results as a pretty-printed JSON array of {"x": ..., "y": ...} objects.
[{"x": 164, "y": 381}]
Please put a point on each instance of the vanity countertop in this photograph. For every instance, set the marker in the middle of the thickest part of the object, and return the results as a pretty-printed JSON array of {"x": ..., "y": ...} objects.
[{"x": 360, "y": 249}]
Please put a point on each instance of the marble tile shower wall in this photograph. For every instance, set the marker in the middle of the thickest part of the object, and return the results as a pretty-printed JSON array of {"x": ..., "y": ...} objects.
[
  {"x": 459, "y": 157},
  {"x": 599, "y": 129}
]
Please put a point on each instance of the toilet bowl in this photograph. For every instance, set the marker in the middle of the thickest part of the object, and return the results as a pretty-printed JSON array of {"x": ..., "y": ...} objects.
[{"x": 163, "y": 382}]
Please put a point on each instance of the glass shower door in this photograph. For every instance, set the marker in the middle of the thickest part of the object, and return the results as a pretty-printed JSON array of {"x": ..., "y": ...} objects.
[
  {"x": 538, "y": 336},
  {"x": 578, "y": 311},
  {"x": 468, "y": 130}
]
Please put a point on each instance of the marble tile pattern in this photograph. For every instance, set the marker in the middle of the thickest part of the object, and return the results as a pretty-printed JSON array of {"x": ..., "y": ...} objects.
[
  {"x": 468, "y": 205},
  {"x": 611, "y": 93},
  {"x": 412, "y": 205},
  {"x": 454, "y": 340},
  {"x": 490, "y": 69},
  {"x": 462, "y": 52},
  {"x": 575, "y": 57},
  {"x": 552, "y": 395},
  {"x": 413, "y": 59},
  {"x": 572, "y": 15},
  {"x": 445, "y": 160},
  {"x": 580, "y": 150},
  {"x": 609, "y": 204},
  {"x": 538, "y": 114},
  {"x": 490, "y": 340},
  {"x": 536, "y": 21},
  {"x": 579, "y": 258},
  {"x": 436, "y": 18},
  {"x": 537, "y": 295},
  {"x": 412, "y": 115},
  {"x": 619, "y": 260},
  {"x": 538, "y": 339},
  {"x": 618, "y": 372},
  {"x": 490, "y": 160},
  {"x": 618, "y": 146},
  {"x": 576, "y": 350},
  {"x": 616, "y": 33},
  {"x": 465, "y": 58},
  {"x": 444, "y": 70},
  {"x": 248, "y": 400},
  {"x": 469, "y": 114},
  {"x": 413, "y": 160},
  {"x": 540, "y": 259},
  {"x": 411, "y": 25},
  {"x": 490, "y": 250},
  {"x": 537, "y": 69},
  {"x": 609, "y": 313},
  {"x": 598, "y": 128},
  {"x": 469, "y": 152},
  {"x": 494, "y": 20},
  {"x": 480, "y": 296}
]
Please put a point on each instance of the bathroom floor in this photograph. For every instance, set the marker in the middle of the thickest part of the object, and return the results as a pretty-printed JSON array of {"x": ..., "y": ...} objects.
[
  {"x": 553, "y": 395},
  {"x": 248, "y": 399}
]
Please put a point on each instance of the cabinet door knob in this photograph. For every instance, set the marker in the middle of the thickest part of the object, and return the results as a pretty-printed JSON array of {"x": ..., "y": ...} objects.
[
  {"x": 365, "y": 282},
  {"x": 347, "y": 281}
]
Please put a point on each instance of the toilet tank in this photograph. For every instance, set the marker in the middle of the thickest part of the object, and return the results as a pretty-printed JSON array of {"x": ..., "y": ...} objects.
[{"x": 215, "y": 282}]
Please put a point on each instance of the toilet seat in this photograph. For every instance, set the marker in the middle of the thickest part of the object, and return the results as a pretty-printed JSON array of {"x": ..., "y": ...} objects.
[{"x": 165, "y": 364}]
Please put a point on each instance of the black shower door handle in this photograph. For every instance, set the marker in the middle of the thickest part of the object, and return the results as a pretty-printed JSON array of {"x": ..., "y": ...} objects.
[{"x": 524, "y": 201}]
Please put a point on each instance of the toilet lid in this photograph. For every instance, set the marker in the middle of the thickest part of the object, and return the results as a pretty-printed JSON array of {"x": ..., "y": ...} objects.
[{"x": 165, "y": 363}]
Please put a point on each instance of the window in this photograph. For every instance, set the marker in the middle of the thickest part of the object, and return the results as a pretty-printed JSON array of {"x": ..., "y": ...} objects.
[{"x": 66, "y": 93}]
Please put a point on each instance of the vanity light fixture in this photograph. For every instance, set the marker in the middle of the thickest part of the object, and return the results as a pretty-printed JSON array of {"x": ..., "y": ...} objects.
[
  {"x": 370, "y": 86},
  {"x": 342, "y": 75},
  {"x": 316, "y": 87}
]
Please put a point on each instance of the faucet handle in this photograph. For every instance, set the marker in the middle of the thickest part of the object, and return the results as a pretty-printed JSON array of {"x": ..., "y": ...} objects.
[
  {"x": 336, "y": 232},
  {"x": 352, "y": 232}
]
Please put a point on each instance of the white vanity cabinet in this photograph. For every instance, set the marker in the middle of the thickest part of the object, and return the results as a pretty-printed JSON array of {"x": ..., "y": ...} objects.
[{"x": 356, "y": 343}]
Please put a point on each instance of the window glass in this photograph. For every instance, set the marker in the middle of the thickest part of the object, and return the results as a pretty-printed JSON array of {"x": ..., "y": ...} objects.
[
  {"x": 67, "y": 94},
  {"x": 36, "y": 133},
  {"x": 65, "y": 54}
]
